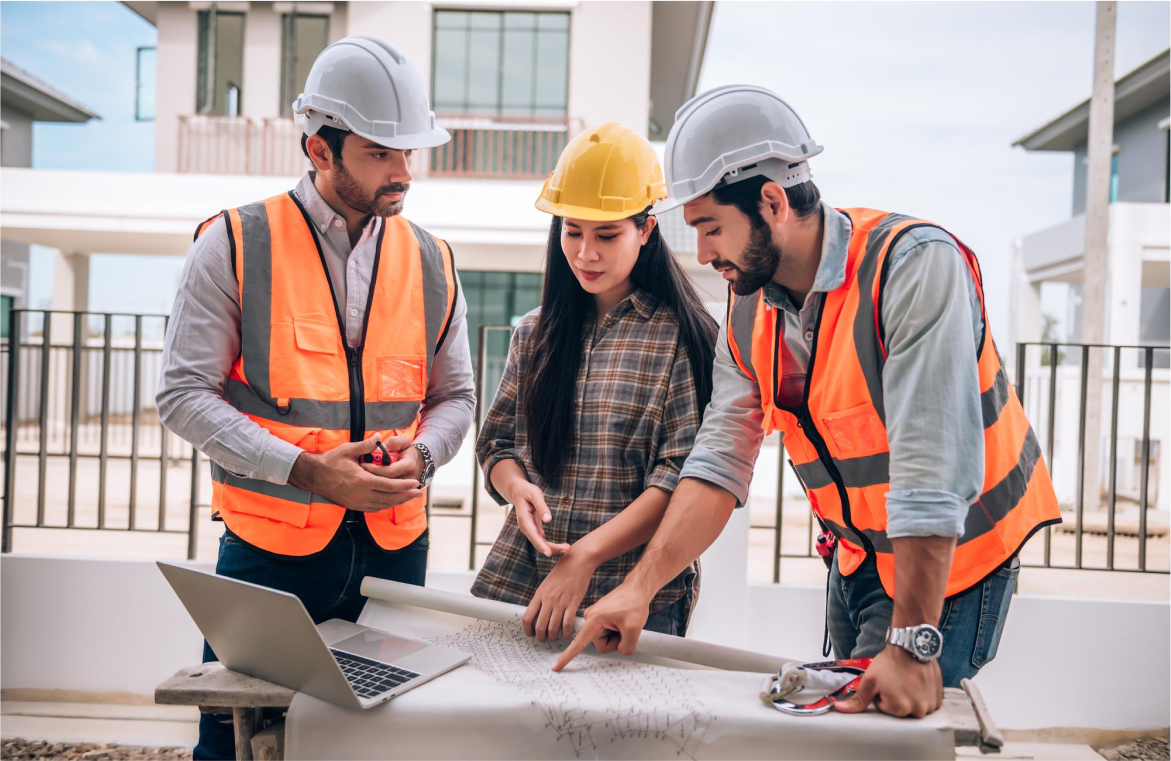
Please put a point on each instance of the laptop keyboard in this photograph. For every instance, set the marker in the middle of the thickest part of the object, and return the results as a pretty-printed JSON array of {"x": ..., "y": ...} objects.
[{"x": 371, "y": 678}]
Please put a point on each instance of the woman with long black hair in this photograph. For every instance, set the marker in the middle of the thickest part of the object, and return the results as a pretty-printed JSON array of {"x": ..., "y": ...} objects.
[{"x": 601, "y": 398}]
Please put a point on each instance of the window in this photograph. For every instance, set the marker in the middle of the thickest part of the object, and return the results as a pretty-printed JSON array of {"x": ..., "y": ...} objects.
[
  {"x": 1155, "y": 323},
  {"x": 145, "y": 85},
  {"x": 497, "y": 298},
  {"x": 303, "y": 37},
  {"x": 221, "y": 63},
  {"x": 6, "y": 304},
  {"x": 1114, "y": 178},
  {"x": 501, "y": 62}
]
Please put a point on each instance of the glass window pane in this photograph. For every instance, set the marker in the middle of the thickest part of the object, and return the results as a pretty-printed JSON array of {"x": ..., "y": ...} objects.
[
  {"x": 146, "y": 87},
  {"x": 552, "y": 70},
  {"x": 302, "y": 39},
  {"x": 483, "y": 70},
  {"x": 451, "y": 20},
  {"x": 229, "y": 62},
  {"x": 488, "y": 20},
  {"x": 518, "y": 72},
  {"x": 553, "y": 21},
  {"x": 520, "y": 21},
  {"x": 451, "y": 66}
]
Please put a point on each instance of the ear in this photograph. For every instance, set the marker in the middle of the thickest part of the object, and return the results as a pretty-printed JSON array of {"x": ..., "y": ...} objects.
[
  {"x": 774, "y": 204},
  {"x": 645, "y": 233},
  {"x": 319, "y": 153}
]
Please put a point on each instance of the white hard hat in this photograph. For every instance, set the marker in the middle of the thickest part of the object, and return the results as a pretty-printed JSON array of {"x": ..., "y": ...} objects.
[
  {"x": 370, "y": 88},
  {"x": 732, "y": 133}
]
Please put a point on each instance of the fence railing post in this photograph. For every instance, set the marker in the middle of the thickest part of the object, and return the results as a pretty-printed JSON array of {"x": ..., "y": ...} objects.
[
  {"x": 11, "y": 413},
  {"x": 193, "y": 514}
]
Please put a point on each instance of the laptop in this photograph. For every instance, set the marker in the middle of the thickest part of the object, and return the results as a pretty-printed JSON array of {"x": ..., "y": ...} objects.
[{"x": 268, "y": 634}]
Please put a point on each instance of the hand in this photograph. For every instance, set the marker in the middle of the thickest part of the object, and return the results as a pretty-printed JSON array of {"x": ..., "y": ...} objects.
[
  {"x": 408, "y": 462},
  {"x": 899, "y": 685},
  {"x": 554, "y": 607},
  {"x": 337, "y": 476},
  {"x": 528, "y": 502},
  {"x": 612, "y": 623}
]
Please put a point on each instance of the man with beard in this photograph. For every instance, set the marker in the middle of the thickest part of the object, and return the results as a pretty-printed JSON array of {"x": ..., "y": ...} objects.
[
  {"x": 862, "y": 336},
  {"x": 318, "y": 354}
]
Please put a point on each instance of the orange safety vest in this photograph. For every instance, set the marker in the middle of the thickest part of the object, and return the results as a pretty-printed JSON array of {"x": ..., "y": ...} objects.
[
  {"x": 297, "y": 377},
  {"x": 837, "y": 439}
]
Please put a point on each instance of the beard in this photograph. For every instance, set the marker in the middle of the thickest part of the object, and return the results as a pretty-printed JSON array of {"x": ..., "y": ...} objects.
[
  {"x": 760, "y": 260},
  {"x": 351, "y": 193}
]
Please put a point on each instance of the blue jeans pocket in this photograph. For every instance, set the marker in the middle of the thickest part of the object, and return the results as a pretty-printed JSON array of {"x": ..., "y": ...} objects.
[{"x": 996, "y": 596}]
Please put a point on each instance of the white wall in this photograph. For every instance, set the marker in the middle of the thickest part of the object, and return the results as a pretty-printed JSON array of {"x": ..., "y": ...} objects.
[
  {"x": 610, "y": 63},
  {"x": 261, "y": 88},
  {"x": 177, "y": 64},
  {"x": 115, "y": 626}
]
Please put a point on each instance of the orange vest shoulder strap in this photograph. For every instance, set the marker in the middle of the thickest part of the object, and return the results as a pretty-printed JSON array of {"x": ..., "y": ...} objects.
[{"x": 741, "y": 321}]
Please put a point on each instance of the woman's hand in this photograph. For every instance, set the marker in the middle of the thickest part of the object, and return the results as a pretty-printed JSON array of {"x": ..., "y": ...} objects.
[
  {"x": 554, "y": 606},
  {"x": 531, "y": 516}
]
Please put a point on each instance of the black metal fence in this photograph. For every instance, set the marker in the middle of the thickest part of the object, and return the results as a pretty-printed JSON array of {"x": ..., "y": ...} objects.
[
  {"x": 78, "y": 395},
  {"x": 78, "y": 391}
]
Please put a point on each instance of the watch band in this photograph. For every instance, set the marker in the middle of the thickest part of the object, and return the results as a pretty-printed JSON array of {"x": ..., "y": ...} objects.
[
  {"x": 924, "y": 642},
  {"x": 428, "y": 465}
]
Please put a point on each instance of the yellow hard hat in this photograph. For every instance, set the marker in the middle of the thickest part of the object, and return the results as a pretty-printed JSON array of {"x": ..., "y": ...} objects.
[{"x": 604, "y": 174}]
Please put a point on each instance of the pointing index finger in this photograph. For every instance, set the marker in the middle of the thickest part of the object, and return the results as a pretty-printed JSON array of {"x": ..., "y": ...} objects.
[{"x": 580, "y": 642}]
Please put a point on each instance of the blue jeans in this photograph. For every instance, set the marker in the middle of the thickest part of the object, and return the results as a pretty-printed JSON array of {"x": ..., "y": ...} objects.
[
  {"x": 859, "y": 611},
  {"x": 328, "y": 584},
  {"x": 671, "y": 619}
]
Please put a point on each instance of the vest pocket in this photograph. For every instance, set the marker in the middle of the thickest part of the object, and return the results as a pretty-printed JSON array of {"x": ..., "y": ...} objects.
[
  {"x": 270, "y": 506},
  {"x": 856, "y": 431},
  {"x": 316, "y": 337},
  {"x": 402, "y": 378}
]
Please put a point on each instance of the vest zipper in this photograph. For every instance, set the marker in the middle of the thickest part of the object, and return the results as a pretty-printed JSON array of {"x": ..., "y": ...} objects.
[
  {"x": 357, "y": 395},
  {"x": 805, "y": 422}
]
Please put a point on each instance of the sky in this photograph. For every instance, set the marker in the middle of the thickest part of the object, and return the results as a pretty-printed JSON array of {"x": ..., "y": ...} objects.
[{"x": 916, "y": 103}]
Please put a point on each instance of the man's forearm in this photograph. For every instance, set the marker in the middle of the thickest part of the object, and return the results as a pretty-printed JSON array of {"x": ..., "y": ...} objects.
[
  {"x": 922, "y": 564},
  {"x": 696, "y": 515}
]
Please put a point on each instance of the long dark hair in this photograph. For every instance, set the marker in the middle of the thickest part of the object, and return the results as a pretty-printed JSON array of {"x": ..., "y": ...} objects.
[{"x": 548, "y": 396}]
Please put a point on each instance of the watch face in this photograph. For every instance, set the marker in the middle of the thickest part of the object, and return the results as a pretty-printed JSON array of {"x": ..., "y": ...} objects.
[{"x": 927, "y": 642}]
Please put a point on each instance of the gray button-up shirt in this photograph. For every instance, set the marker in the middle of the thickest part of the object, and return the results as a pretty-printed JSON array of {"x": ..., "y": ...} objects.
[
  {"x": 930, "y": 384},
  {"x": 203, "y": 341}
]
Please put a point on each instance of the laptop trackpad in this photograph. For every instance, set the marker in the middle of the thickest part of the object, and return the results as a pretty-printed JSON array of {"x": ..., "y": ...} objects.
[{"x": 379, "y": 646}]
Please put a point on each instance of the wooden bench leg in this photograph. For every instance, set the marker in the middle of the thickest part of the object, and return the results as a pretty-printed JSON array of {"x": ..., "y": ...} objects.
[
  {"x": 245, "y": 721},
  {"x": 269, "y": 743}
]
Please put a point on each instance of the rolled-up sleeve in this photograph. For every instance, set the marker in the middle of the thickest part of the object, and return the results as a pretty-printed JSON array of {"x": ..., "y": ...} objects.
[
  {"x": 678, "y": 426},
  {"x": 728, "y": 442},
  {"x": 497, "y": 441},
  {"x": 931, "y": 388},
  {"x": 450, "y": 404}
]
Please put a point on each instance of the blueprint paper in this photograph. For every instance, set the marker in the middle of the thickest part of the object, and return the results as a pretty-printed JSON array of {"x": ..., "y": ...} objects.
[{"x": 507, "y": 704}]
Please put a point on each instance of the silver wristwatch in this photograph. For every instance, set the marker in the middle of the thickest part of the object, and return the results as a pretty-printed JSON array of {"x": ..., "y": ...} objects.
[
  {"x": 428, "y": 466},
  {"x": 924, "y": 642}
]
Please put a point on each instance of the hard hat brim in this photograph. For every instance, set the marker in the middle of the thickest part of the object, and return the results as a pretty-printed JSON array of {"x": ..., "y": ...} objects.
[
  {"x": 432, "y": 138},
  {"x": 582, "y": 212}
]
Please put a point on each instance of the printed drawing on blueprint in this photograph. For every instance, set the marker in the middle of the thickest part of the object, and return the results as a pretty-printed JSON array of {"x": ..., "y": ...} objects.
[{"x": 606, "y": 702}]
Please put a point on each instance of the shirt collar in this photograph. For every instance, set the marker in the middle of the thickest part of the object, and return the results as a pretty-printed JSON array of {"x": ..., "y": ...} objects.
[
  {"x": 321, "y": 213},
  {"x": 831, "y": 271},
  {"x": 643, "y": 302}
]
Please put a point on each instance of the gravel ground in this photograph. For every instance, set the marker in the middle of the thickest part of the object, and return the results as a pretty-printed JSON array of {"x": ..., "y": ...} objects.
[
  {"x": 1146, "y": 749},
  {"x": 27, "y": 750}
]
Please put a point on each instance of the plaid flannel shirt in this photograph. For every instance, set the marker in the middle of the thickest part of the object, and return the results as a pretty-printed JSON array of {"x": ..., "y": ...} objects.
[{"x": 636, "y": 419}]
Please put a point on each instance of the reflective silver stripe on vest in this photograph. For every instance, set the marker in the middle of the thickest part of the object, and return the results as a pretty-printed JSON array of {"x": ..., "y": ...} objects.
[
  {"x": 256, "y": 297},
  {"x": 286, "y": 492},
  {"x": 993, "y": 400},
  {"x": 741, "y": 322},
  {"x": 313, "y": 413},
  {"x": 434, "y": 289},
  {"x": 999, "y": 501},
  {"x": 254, "y": 398},
  {"x": 865, "y": 329},
  {"x": 878, "y": 539}
]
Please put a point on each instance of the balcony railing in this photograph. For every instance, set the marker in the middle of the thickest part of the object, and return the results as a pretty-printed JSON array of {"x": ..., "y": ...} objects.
[
  {"x": 500, "y": 146},
  {"x": 240, "y": 145}
]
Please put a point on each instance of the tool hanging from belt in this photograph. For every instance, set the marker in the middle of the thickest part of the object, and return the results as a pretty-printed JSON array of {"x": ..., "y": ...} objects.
[{"x": 839, "y": 681}]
